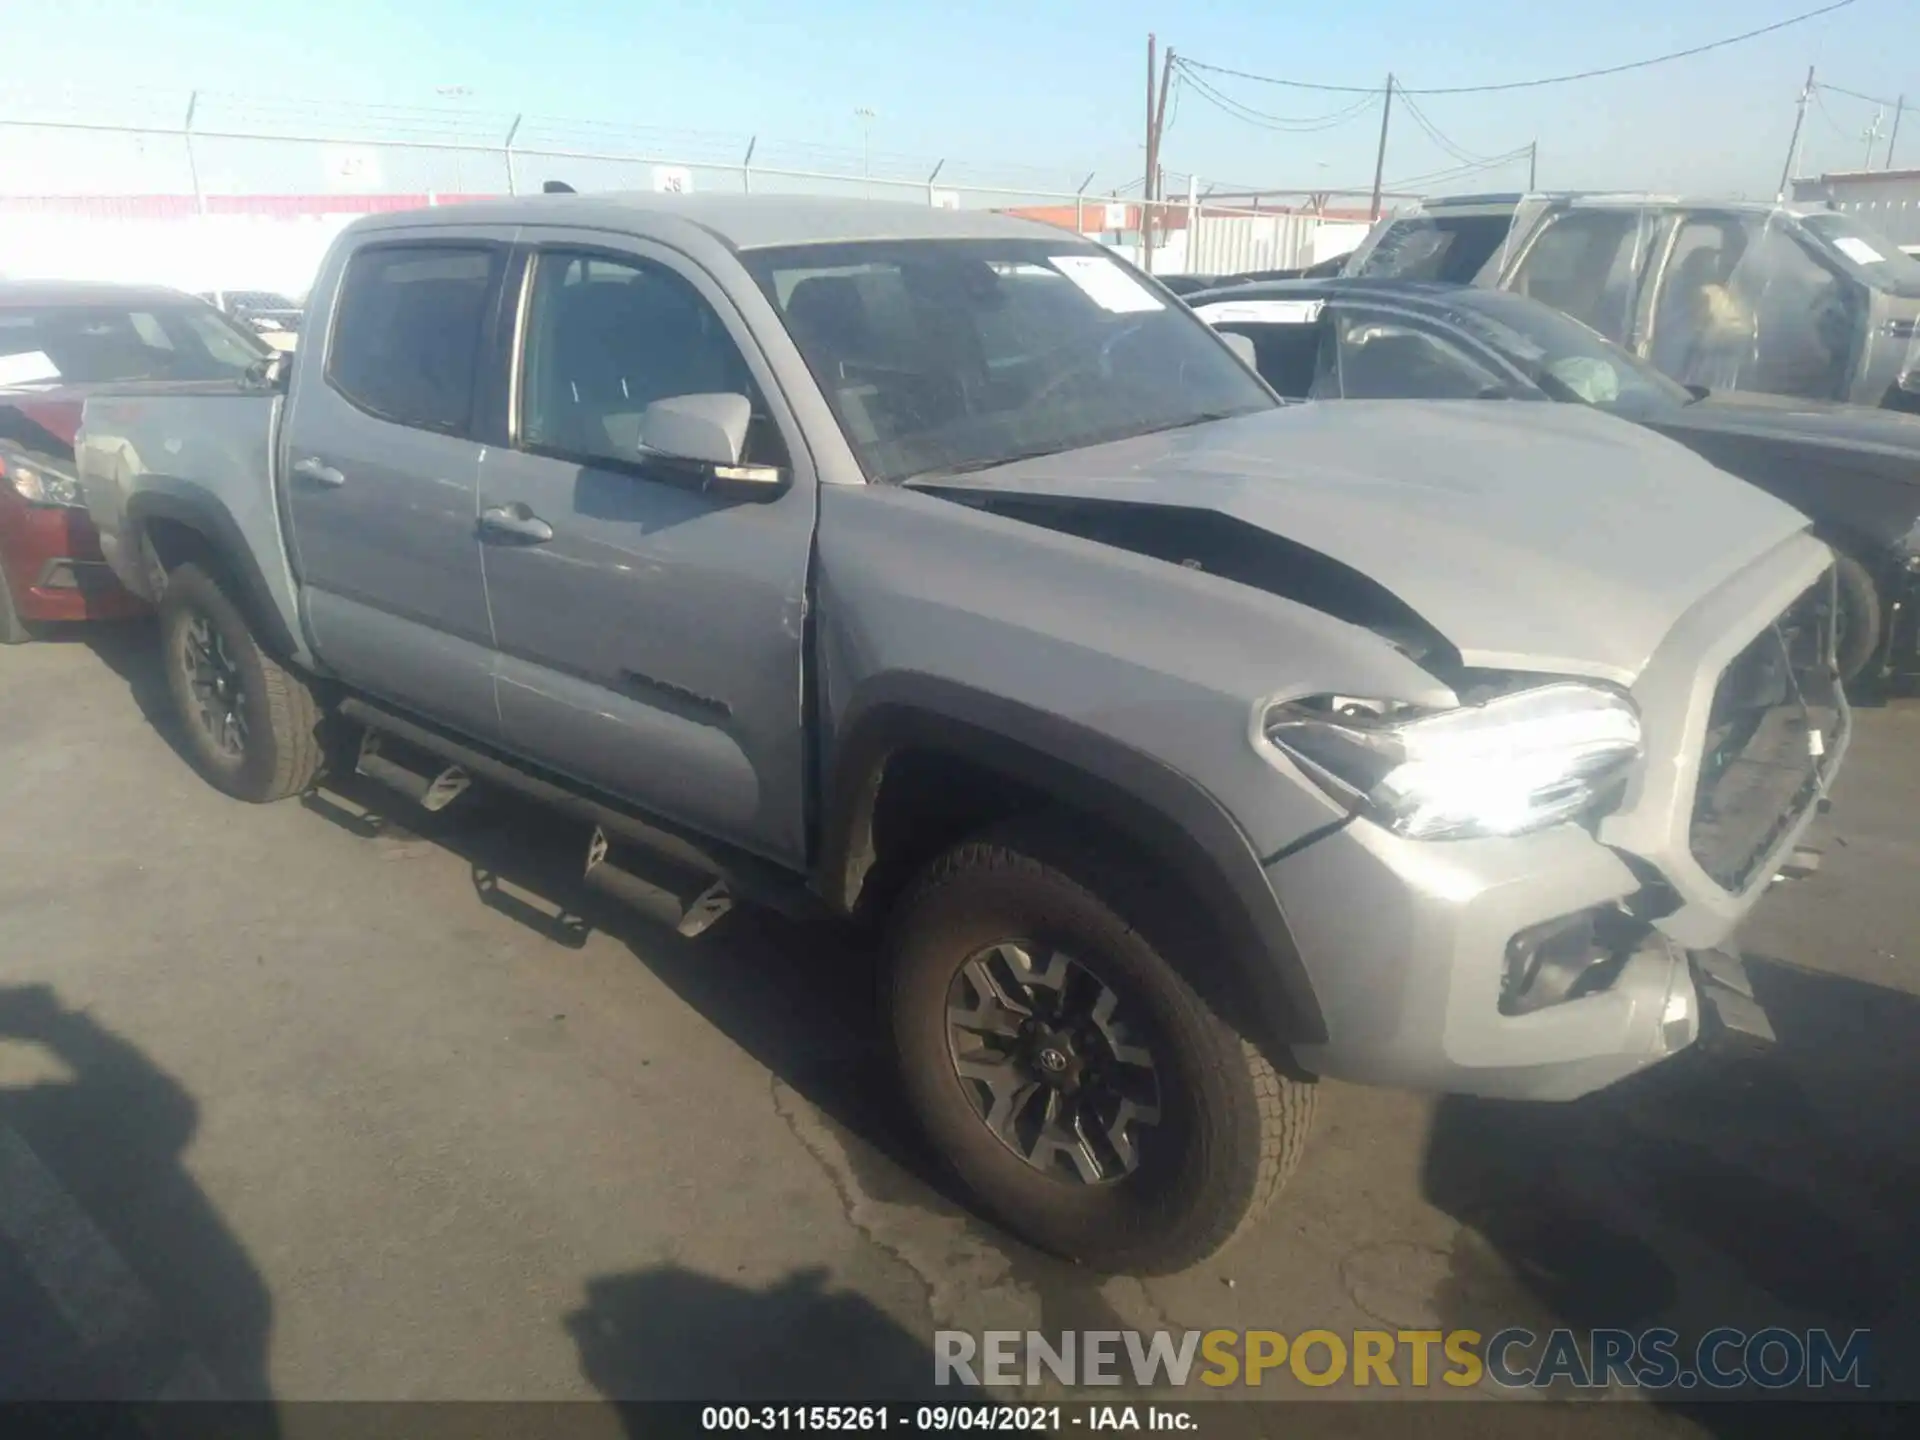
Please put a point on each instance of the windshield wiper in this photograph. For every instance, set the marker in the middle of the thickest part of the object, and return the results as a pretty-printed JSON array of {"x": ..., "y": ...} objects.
[
  {"x": 1206, "y": 417},
  {"x": 969, "y": 467}
]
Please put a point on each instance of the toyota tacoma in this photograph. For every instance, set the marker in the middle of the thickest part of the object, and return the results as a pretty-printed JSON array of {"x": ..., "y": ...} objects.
[{"x": 1179, "y": 744}]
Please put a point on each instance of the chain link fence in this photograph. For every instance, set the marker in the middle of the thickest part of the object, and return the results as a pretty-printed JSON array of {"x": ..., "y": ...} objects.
[{"x": 211, "y": 191}]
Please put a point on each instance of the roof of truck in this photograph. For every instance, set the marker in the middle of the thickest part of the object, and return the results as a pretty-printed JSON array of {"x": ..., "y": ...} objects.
[{"x": 744, "y": 222}]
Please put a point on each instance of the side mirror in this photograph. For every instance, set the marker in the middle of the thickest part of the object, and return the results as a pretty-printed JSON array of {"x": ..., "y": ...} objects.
[
  {"x": 708, "y": 433},
  {"x": 1243, "y": 347}
]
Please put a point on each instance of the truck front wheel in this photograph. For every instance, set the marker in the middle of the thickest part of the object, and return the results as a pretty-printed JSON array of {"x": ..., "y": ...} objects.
[
  {"x": 251, "y": 725},
  {"x": 1080, "y": 1088}
]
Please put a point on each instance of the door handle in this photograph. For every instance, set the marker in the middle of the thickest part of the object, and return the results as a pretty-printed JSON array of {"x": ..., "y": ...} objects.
[
  {"x": 515, "y": 522},
  {"x": 319, "y": 472}
]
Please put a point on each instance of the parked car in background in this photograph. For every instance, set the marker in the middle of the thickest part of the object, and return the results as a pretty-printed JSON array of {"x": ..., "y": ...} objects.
[
  {"x": 1854, "y": 471},
  {"x": 273, "y": 316},
  {"x": 59, "y": 342},
  {"x": 1784, "y": 300},
  {"x": 933, "y": 568}
]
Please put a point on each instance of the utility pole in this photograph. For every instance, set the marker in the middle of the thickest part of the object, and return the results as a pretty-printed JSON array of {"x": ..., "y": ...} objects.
[
  {"x": 1380, "y": 160},
  {"x": 1533, "y": 162},
  {"x": 1156, "y": 123},
  {"x": 1899, "y": 106},
  {"x": 1871, "y": 135},
  {"x": 1793, "y": 145},
  {"x": 1153, "y": 140}
]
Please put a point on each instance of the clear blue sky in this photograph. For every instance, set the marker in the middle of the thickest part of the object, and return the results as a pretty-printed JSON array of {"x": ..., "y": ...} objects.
[{"x": 1054, "y": 84}]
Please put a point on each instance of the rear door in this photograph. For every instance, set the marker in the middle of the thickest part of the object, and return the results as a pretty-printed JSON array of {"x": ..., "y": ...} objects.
[
  {"x": 381, "y": 470},
  {"x": 650, "y": 632}
]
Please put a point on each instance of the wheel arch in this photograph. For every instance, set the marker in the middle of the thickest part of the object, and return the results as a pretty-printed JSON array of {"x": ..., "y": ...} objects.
[
  {"x": 189, "y": 520},
  {"x": 1053, "y": 762}
]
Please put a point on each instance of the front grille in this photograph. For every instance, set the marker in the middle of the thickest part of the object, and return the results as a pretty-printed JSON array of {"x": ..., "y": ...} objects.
[{"x": 1776, "y": 720}]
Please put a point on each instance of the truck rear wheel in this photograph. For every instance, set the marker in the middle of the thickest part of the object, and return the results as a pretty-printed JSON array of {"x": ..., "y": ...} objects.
[
  {"x": 252, "y": 726},
  {"x": 1076, "y": 1083}
]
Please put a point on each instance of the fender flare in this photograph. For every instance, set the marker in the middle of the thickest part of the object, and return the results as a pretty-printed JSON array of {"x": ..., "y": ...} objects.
[
  {"x": 1160, "y": 810},
  {"x": 194, "y": 506}
]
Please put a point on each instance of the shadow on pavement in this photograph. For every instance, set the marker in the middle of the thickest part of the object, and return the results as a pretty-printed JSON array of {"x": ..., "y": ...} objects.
[
  {"x": 800, "y": 997},
  {"x": 119, "y": 1278},
  {"x": 671, "y": 1334},
  {"x": 131, "y": 649},
  {"x": 1777, "y": 1189}
]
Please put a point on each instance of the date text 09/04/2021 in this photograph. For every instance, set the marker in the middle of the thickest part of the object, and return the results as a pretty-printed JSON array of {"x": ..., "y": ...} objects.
[{"x": 945, "y": 1418}]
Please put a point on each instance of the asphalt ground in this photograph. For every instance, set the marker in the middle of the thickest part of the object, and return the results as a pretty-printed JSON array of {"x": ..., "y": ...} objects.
[{"x": 330, "y": 1100}]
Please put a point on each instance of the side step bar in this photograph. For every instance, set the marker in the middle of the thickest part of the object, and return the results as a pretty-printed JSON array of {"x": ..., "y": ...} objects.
[
  {"x": 434, "y": 790},
  {"x": 688, "y": 902},
  {"x": 731, "y": 873}
]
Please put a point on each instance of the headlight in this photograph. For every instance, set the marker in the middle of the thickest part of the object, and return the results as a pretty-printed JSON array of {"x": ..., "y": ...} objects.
[
  {"x": 1516, "y": 763},
  {"x": 41, "y": 484}
]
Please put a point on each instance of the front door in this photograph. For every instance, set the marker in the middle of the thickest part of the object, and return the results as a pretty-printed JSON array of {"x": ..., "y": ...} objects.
[
  {"x": 381, "y": 470},
  {"x": 650, "y": 634}
]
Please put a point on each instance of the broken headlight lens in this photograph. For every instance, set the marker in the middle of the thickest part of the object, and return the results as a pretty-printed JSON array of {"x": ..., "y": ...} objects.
[
  {"x": 40, "y": 484},
  {"x": 1518, "y": 762}
]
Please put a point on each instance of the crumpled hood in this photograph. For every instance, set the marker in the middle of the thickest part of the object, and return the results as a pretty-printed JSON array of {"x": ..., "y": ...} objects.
[{"x": 1533, "y": 537}]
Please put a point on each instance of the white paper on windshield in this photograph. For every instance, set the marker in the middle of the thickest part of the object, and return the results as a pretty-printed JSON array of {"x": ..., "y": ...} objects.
[
  {"x": 1105, "y": 283},
  {"x": 1262, "y": 312},
  {"x": 27, "y": 367},
  {"x": 1857, "y": 251}
]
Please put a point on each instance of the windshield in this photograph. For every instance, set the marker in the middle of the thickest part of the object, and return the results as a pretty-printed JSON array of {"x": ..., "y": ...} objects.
[
  {"x": 1566, "y": 359},
  {"x": 1867, "y": 252},
  {"x": 92, "y": 344},
  {"x": 943, "y": 355}
]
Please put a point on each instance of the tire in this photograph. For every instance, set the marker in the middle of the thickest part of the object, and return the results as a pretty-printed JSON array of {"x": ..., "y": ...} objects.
[
  {"x": 1230, "y": 1128},
  {"x": 13, "y": 630},
  {"x": 274, "y": 749},
  {"x": 1861, "y": 618}
]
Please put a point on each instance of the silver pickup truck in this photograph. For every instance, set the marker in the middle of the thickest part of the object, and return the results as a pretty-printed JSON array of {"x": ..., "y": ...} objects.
[{"x": 940, "y": 570}]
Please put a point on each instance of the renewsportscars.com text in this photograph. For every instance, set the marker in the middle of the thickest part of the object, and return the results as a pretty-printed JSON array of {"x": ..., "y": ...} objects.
[{"x": 1514, "y": 1358}]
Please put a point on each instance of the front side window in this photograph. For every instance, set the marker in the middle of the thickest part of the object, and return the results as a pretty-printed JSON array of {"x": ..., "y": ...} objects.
[
  {"x": 945, "y": 355},
  {"x": 408, "y": 330},
  {"x": 1566, "y": 360},
  {"x": 1745, "y": 304},
  {"x": 605, "y": 339},
  {"x": 1383, "y": 357}
]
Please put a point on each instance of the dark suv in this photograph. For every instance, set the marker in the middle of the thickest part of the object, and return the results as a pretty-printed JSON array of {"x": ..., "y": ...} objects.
[{"x": 1727, "y": 294}]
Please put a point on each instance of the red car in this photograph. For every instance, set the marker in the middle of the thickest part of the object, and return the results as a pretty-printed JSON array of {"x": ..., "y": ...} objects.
[{"x": 59, "y": 341}]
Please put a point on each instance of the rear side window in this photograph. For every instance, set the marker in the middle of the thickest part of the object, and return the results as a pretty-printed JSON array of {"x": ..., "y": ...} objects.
[{"x": 408, "y": 330}]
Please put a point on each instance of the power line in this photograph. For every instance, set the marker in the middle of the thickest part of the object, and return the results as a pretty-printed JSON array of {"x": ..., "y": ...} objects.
[
  {"x": 1854, "y": 94},
  {"x": 1433, "y": 133},
  {"x": 1295, "y": 125},
  {"x": 1545, "y": 80},
  {"x": 1827, "y": 116},
  {"x": 1456, "y": 172}
]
